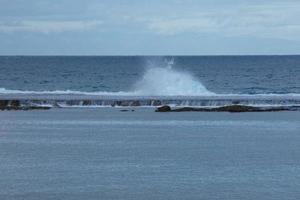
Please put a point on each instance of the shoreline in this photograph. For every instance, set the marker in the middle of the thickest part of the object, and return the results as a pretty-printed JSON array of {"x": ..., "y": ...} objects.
[
  {"x": 54, "y": 100},
  {"x": 159, "y": 105}
]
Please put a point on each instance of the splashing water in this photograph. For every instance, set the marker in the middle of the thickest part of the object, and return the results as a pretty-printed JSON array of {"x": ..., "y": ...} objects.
[
  {"x": 156, "y": 81},
  {"x": 166, "y": 81}
]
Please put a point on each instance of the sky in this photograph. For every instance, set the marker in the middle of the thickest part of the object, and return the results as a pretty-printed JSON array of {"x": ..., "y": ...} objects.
[{"x": 149, "y": 27}]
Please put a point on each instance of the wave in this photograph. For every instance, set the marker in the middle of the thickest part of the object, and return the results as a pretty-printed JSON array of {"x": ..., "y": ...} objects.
[
  {"x": 158, "y": 86},
  {"x": 156, "y": 81},
  {"x": 165, "y": 81},
  {"x": 64, "y": 92},
  {"x": 122, "y": 94}
]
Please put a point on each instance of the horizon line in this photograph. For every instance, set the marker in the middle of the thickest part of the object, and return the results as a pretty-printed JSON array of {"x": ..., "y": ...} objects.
[{"x": 140, "y": 55}]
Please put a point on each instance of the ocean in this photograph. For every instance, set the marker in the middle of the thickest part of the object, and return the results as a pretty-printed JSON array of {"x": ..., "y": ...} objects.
[
  {"x": 177, "y": 75},
  {"x": 101, "y": 139}
]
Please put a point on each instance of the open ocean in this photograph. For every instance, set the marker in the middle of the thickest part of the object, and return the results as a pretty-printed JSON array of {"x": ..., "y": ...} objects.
[
  {"x": 86, "y": 148},
  {"x": 178, "y": 75}
]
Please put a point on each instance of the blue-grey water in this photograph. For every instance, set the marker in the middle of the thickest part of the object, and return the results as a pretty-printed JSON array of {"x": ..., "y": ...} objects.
[
  {"x": 99, "y": 152},
  {"x": 219, "y": 74},
  {"x": 107, "y": 154}
]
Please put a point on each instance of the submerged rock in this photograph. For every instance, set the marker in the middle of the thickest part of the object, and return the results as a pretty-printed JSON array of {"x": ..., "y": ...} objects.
[
  {"x": 229, "y": 108},
  {"x": 126, "y": 110}
]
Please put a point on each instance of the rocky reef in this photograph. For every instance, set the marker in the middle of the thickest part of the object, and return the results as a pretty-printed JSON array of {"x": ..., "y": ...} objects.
[
  {"x": 229, "y": 108},
  {"x": 16, "y": 105}
]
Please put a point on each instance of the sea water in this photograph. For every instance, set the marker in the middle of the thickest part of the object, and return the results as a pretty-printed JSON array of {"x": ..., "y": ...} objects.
[
  {"x": 83, "y": 148},
  {"x": 177, "y": 75},
  {"x": 88, "y": 153}
]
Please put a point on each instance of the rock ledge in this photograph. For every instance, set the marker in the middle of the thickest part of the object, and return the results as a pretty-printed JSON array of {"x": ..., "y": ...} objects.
[{"x": 229, "y": 108}]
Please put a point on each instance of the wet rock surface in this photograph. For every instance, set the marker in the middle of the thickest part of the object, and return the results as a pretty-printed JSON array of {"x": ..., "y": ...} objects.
[
  {"x": 164, "y": 109},
  {"x": 16, "y": 105},
  {"x": 229, "y": 108}
]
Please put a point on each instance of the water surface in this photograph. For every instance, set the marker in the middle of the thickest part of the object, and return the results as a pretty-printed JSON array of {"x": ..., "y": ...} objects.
[{"x": 108, "y": 154}]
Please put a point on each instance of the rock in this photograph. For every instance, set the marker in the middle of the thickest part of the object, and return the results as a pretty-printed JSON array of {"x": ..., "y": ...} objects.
[
  {"x": 163, "y": 109},
  {"x": 229, "y": 108},
  {"x": 87, "y": 103},
  {"x": 116, "y": 103},
  {"x": 10, "y": 105},
  {"x": 3, "y": 104},
  {"x": 236, "y": 108},
  {"x": 242, "y": 108},
  {"x": 189, "y": 109},
  {"x": 16, "y": 105},
  {"x": 35, "y": 108}
]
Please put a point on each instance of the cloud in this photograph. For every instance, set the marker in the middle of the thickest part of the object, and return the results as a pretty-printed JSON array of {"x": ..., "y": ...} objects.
[
  {"x": 41, "y": 26},
  {"x": 181, "y": 25},
  {"x": 274, "y": 21}
]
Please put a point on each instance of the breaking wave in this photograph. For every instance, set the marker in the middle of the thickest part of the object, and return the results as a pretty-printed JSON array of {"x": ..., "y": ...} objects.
[
  {"x": 156, "y": 81},
  {"x": 62, "y": 92},
  {"x": 166, "y": 81},
  {"x": 159, "y": 83}
]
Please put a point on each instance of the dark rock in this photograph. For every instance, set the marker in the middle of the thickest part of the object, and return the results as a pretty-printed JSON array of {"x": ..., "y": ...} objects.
[
  {"x": 10, "y": 105},
  {"x": 36, "y": 108},
  {"x": 3, "y": 104},
  {"x": 87, "y": 103},
  {"x": 242, "y": 108},
  {"x": 163, "y": 109},
  {"x": 125, "y": 110},
  {"x": 229, "y": 108},
  {"x": 116, "y": 103},
  {"x": 189, "y": 109},
  {"x": 236, "y": 108},
  {"x": 16, "y": 105}
]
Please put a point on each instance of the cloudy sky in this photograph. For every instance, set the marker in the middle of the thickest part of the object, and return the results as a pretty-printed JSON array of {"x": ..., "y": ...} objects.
[{"x": 153, "y": 27}]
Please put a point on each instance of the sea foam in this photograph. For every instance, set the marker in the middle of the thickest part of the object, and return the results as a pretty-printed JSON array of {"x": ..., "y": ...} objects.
[
  {"x": 165, "y": 81},
  {"x": 156, "y": 81}
]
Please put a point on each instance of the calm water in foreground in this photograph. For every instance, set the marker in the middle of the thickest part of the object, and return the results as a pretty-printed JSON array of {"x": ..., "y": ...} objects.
[{"x": 108, "y": 154}]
